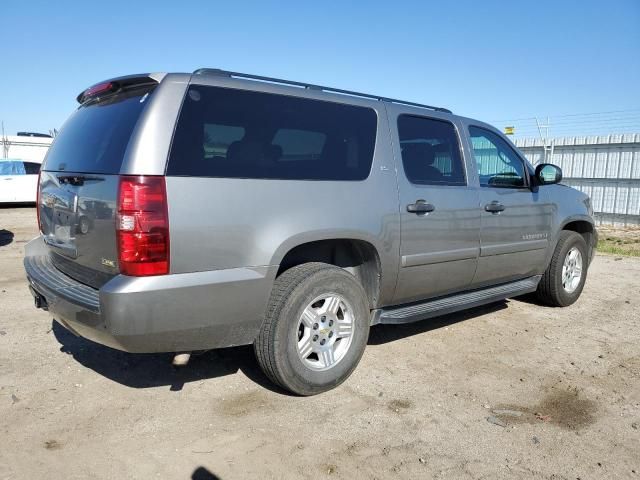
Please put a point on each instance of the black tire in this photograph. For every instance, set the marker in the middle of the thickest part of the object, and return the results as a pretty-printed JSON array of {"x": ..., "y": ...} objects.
[
  {"x": 276, "y": 346},
  {"x": 550, "y": 290}
]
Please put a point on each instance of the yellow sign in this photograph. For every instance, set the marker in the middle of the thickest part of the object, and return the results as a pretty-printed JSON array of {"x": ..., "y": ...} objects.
[{"x": 509, "y": 130}]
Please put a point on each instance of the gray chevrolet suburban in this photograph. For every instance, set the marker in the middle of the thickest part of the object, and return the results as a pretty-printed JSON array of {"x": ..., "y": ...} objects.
[{"x": 183, "y": 212}]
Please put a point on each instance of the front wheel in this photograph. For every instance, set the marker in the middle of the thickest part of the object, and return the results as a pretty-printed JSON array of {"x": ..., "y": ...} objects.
[
  {"x": 315, "y": 330},
  {"x": 562, "y": 283}
]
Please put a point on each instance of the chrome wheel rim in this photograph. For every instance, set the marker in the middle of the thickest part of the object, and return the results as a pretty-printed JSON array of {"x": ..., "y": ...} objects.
[
  {"x": 572, "y": 270},
  {"x": 325, "y": 332}
]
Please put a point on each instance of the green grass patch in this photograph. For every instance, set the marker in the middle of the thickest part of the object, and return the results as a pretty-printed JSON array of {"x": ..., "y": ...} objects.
[{"x": 619, "y": 246}]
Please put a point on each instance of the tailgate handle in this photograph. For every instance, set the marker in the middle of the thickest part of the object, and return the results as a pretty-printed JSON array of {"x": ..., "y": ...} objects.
[{"x": 77, "y": 180}]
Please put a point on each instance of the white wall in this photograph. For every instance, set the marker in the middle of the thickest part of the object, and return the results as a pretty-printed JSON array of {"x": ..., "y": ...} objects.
[
  {"x": 31, "y": 149},
  {"x": 606, "y": 167}
]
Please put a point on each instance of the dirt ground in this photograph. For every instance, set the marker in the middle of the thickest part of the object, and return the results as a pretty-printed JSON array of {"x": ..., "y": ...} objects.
[{"x": 512, "y": 390}]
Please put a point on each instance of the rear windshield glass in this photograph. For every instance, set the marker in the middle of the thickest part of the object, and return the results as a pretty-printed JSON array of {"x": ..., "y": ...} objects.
[
  {"x": 242, "y": 134},
  {"x": 96, "y": 136}
]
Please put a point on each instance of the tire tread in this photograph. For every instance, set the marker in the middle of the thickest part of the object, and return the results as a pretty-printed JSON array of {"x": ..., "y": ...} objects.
[
  {"x": 548, "y": 291},
  {"x": 282, "y": 288}
]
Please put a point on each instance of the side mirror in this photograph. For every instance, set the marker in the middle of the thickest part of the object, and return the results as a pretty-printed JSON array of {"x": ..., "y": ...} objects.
[{"x": 548, "y": 174}]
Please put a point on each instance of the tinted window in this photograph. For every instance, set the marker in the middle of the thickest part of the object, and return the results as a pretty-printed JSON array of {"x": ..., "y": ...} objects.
[
  {"x": 430, "y": 151},
  {"x": 32, "y": 168},
  {"x": 300, "y": 144},
  {"x": 217, "y": 139},
  {"x": 12, "y": 167},
  {"x": 260, "y": 135},
  {"x": 96, "y": 136},
  {"x": 498, "y": 164}
]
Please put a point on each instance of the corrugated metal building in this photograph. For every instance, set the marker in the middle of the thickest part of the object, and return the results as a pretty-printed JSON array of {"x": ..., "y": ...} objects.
[
  {"x": 606, "y": 167},
  {"x": 31, "y": 149}
]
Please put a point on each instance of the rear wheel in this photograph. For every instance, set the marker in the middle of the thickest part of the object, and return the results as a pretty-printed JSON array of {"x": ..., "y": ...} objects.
[
  {"x": 315, "y": 330},
  {"x": 562, "y": 283}
]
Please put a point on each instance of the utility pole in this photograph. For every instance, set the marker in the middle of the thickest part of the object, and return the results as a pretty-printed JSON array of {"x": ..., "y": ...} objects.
[
  {"x": 547, "y": 141},
  {"x": 5, "y": 144}
]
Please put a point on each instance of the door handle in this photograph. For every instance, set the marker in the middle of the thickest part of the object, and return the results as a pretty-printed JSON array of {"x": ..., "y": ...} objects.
[
  {"x": 494, "y": 207},
  {"x": 420, "y": 207}
]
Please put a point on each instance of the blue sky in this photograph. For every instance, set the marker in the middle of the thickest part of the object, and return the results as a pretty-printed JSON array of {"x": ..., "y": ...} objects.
[{"x": 487, "y": 59}]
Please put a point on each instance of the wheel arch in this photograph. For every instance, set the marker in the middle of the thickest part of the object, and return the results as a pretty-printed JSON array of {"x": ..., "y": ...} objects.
[
  {"x": 355, "y": 254},
  {"x": 582, "y": 224},
  {"x": 585, "y": 226}
]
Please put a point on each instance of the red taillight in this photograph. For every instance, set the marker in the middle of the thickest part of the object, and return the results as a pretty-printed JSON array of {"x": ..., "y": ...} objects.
[
  {"x": 38, "y": 200},
  {"x": 142, "y": 226}
]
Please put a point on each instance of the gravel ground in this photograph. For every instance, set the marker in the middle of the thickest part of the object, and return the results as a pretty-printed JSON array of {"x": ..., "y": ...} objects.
[{"x": 512, "y": 390}]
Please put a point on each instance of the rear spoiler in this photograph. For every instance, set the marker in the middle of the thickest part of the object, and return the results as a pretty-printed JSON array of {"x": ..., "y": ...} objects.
[{"x": 115, "y": 84}]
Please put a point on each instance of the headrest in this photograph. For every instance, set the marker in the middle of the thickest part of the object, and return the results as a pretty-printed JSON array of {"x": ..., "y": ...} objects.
[
  {"x": 246, "y": 152},
  {"x": 419, "y": 152}
]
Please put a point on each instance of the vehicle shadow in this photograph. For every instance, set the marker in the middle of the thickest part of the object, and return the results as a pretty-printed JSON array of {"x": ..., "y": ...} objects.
[
  {"x": 6, "y": 237},
  {"x": 201, "y": 473},
  {"x": 146, "y": 370},
  {"x": 531, "y": 299}
]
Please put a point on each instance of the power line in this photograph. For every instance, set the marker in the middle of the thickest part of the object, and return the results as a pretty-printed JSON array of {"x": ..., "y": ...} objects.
[
  {"x": 635, "y": 118},
  {"x": 565, "y": 115},
  {"x": 575, "y": 124}
]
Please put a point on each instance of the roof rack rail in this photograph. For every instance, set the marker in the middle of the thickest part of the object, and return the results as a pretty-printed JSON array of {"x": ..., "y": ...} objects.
[{"x": 225, "y": 73}]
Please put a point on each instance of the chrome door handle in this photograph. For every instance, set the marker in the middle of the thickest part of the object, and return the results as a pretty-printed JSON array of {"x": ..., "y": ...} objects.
[
  {"x": 420, "y": 207},
  {"x": 494, "y": 207}
]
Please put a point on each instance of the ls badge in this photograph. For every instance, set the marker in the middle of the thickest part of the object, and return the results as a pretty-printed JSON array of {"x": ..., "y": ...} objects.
[{"x": 108, "y": 263}]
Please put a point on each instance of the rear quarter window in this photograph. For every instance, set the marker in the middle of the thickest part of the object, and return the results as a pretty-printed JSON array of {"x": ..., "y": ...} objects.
[{"x": 243, "y": 134}]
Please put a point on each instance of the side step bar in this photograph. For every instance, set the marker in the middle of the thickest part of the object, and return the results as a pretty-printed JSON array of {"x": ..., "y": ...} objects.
[{"x": 453, "y": 303}]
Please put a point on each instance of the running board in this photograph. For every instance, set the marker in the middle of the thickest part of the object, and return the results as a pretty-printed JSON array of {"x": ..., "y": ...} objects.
[{"x": 454, "y": 303}]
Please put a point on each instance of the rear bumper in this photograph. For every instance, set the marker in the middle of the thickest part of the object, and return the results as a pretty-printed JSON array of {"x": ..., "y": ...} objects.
[{"x": 168, "y": 313}]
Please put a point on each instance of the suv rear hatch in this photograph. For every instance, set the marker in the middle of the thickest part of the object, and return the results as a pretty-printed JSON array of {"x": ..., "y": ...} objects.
[{"x": 78, "y": 190}]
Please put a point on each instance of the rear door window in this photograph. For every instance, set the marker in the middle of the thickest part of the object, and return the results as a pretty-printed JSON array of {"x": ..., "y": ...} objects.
[
  {"x": 242, "y": 134},
  {"x": 95, "y": 137},
  {"x": 430, "y": 151}
]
